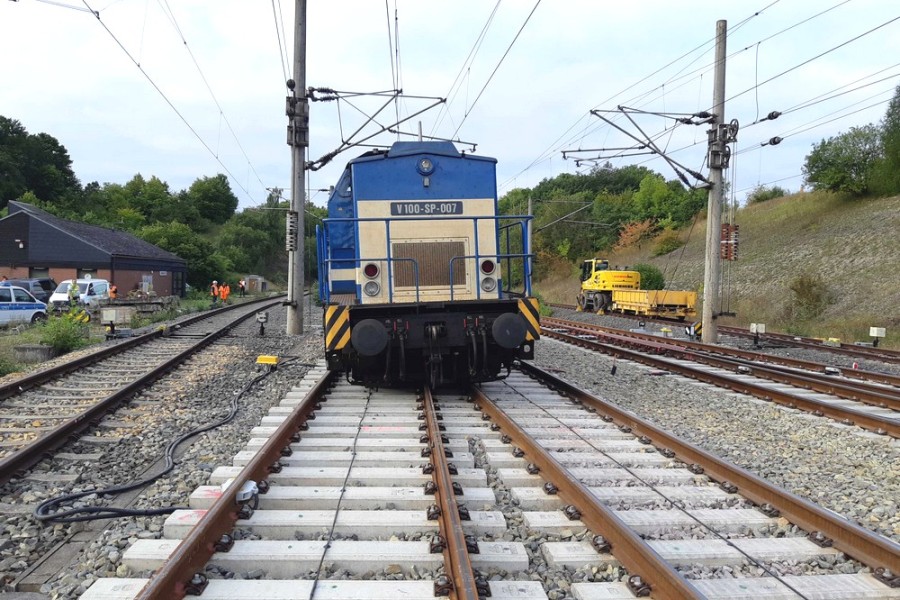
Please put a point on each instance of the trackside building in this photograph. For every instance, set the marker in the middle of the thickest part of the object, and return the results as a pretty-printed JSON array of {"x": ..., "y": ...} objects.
[{"x": 34, "y": 243}]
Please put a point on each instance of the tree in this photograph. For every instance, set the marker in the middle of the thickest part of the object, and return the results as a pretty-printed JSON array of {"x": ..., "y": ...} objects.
[
  {"x": 150, "y": 197},
  {"x": 203, "y": 262},
  {"x": 844, "y": 163},
  {"x": 887, "y": 171},
  {"x": 213, "y": 198},
  {"x": 12, "y": 181},
  {"x": 36, "y": 163}
]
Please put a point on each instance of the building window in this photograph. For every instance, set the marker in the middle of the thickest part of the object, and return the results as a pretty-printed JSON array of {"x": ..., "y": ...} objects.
[
  {"x": 178, "y": 283},
  {"x": 38, "y": 272}
]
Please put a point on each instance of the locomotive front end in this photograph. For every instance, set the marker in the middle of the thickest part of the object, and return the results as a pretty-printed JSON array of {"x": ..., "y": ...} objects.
[{"x": 423, "y": 280}]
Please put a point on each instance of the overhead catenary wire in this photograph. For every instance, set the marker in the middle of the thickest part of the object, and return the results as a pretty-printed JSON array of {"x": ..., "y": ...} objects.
[
  {"x": 496, "y": 68},
  {"x": 394, "y": 84},
  {"x": 814, "y": 58},
  {"x": 829, "y": 95},
  {"x": 64, "y": 5},
  {"x": 282, "y": 49},
  {"x": 168, "y": 12},
  {"x": 810, "y": 125},
  {"x": 454, "y": 89},
  {"x": 592, "y": 126},
  {"x": 166, "y": 98},
  {"x": 688, "y": 77}
]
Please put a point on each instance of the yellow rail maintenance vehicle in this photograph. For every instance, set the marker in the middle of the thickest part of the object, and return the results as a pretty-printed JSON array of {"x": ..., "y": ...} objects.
[
  {"x": 598, "y": 282},
  {"x": 613, "y": 290}
]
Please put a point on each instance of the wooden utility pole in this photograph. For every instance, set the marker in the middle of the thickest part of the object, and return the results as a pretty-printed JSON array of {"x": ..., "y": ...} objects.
[
  {"x": 718, "y": 162},
  {"x": 297, "y": 108}
]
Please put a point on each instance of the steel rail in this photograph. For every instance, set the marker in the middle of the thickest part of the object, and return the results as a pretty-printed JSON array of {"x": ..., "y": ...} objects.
[
  {"x": 866, "y": 546},
  {"x": 871, "y": 353},
  {"x": 29, "y": 381},
  {"x": 869, "y": 421},
  {"x": 867, "y": 352},
  {"x": 185, "y": 565},
  {"x": 456, "y": 555},
  {"x": 34, "y": 451},
  {"x": 703, "y": 353},
  {"x": 628, "y": 547},
  {"x": 850, "y": 373}
]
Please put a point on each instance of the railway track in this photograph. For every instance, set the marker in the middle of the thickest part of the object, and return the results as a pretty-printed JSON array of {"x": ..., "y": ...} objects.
[
  {"x": 878, "y": 354},
  {"x": 41, "y": 412},
  {"x": 812, "y": 387},
  {"x": 868, "y": 376},
  {"x": 557, "y": 494}
]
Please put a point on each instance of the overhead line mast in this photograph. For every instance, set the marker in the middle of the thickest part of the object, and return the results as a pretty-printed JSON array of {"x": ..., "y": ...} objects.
[
  {"x": 297, "y": 108},
  {"x": 719, "y": 136}
]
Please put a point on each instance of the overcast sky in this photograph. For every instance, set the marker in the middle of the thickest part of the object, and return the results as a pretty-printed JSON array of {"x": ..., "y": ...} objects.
[{"x": 63, "y": 73}]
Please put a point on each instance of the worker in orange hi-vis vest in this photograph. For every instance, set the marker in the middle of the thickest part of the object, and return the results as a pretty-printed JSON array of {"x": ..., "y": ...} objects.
[
  {"x": 222, "y": 292},
  {"x": 214, "y": 291},
  {"x": 227, "y": 290}
]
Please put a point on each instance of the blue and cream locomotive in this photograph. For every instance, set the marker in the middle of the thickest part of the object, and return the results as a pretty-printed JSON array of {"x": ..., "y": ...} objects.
[{"x": 421, "y": 278}]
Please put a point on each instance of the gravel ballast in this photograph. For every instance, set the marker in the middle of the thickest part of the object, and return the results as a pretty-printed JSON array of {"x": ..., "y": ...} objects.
[
  {"x": 840, "y": 467},
  {"x": 202, "y": 394}
]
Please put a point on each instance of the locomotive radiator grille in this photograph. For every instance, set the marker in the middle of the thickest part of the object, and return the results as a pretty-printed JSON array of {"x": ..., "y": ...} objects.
[
  {"x": 433, "y": 259},
  {"x": 529, "y": 309}
]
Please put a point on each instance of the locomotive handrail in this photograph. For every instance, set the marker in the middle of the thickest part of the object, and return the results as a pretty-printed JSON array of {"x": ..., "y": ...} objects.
[
  {"x": 388, "y": 260},
  {"x": 526, "y": 249},
  {"x": 499, "y": 257}
]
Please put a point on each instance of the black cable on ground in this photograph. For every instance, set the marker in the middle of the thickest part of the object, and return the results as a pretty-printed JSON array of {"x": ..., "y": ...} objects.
[{"x": 92, "y": 513}]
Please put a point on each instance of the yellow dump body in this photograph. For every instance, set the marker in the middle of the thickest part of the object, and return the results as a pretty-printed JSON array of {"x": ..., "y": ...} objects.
[{"x": 656, "y": 303}]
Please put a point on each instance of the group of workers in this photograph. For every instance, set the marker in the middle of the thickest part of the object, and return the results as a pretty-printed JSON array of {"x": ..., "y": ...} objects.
[{"x": 221, "y": 291}]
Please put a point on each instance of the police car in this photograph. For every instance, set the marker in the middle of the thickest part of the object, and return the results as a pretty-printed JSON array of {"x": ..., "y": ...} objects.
[{"x": 18, "y": 306}]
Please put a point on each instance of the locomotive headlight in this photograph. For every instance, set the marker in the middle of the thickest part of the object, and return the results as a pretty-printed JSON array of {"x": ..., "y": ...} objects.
[
  {"x": 425, "y": 166},
  {"x": 488, "y": 284},
  {"x": 487, "y": 267},
  {"x": 371, "y": 288}
]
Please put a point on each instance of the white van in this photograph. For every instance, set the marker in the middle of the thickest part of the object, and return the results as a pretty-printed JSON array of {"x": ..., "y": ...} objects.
[
  {"x": 18, "y": 306},
  {"x": 90, "y": 291}
]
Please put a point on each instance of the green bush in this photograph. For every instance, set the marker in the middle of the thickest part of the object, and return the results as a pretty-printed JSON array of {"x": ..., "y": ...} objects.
[
  {"x": 762, "y": 193},
  {"x": 651, "y": 277},
  {"x": 545, "y": 309},
  {"x": 6, "y": 366},
  {"x": 810, "y": 297},
  {"x": 667, "y": 242},
  {"x": 63, "y": 335}
]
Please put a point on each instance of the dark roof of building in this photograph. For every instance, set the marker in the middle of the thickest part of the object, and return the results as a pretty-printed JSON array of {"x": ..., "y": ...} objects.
[{"x": 115, "y": 243}]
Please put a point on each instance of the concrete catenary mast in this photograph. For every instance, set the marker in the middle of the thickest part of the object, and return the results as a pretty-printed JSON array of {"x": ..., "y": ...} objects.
[
  {"x": 718, "y": 162},
  {"x": 297, "y": 108}
]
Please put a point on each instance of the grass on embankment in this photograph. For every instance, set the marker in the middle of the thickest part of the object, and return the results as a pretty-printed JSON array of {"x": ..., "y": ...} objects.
[{"x": 841, "y": 255}]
